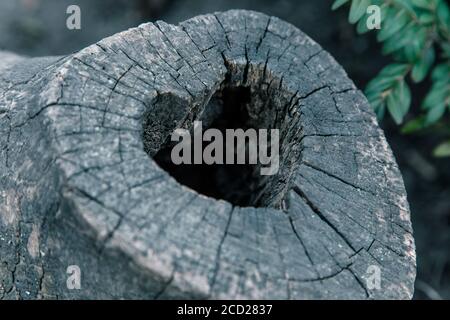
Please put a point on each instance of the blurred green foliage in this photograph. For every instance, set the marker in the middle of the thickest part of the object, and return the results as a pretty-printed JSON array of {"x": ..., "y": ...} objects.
[{"x": 416, "y": 34}]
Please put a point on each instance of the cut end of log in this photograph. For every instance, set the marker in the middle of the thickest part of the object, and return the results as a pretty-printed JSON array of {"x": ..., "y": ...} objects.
[{"x": 87, "y": 179}]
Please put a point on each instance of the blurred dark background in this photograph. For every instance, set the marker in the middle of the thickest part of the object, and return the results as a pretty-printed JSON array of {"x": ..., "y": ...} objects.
[{"x": 38, "y": 27}]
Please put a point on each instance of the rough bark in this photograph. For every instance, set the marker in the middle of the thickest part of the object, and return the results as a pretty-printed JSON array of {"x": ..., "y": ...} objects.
[{"x": 78, "y": 186}]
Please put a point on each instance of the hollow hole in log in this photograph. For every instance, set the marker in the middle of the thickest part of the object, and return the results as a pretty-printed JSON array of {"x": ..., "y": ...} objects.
[{"x": 231, "y": 107}]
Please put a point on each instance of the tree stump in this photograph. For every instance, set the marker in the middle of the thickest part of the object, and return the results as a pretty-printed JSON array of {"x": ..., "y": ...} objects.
[{"x": 80, "y": 185}]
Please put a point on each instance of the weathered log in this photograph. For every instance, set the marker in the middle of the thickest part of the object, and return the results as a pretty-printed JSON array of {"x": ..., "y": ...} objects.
[{"x": 78, "y": 186}]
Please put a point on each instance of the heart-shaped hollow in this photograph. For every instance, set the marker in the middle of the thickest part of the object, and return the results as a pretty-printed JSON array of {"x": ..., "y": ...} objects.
[{"x": 252, "y": 104}]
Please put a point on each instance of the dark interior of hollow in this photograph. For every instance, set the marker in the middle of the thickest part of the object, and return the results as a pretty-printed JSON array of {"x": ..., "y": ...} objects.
[{"x": 240, "y": 184}]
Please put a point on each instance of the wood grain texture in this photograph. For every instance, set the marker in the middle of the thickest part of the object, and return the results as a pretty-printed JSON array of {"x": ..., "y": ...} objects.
[{"x": 78, "y": 186}]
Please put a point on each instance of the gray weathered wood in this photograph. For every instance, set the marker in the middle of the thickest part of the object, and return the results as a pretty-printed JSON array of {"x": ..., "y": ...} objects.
[{"x": 77, "y": 187}]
